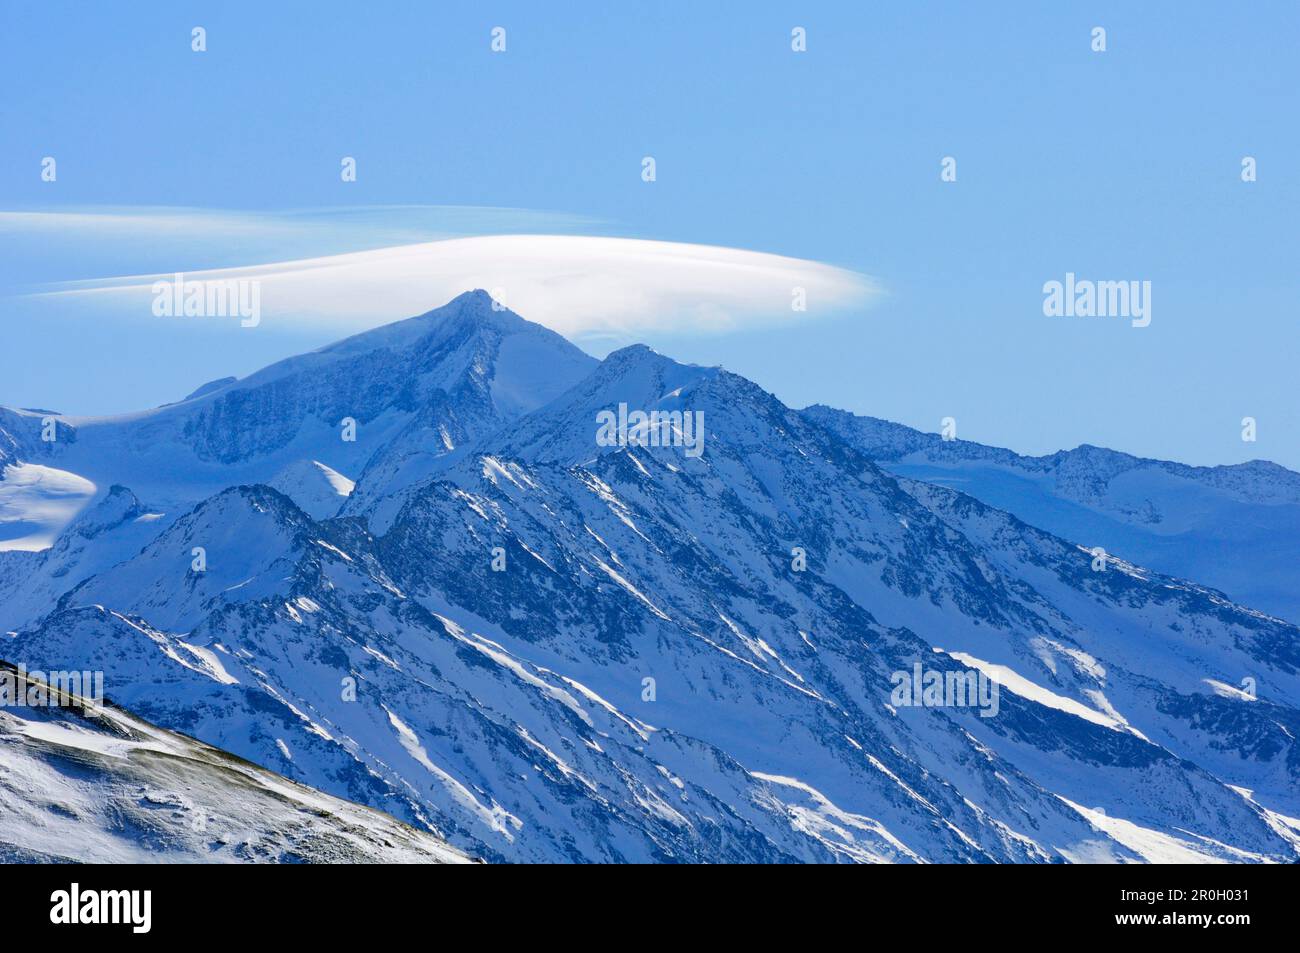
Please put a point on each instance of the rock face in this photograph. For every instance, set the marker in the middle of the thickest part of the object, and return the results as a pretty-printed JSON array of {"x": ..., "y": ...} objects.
[{"x": 544, "y": 646}]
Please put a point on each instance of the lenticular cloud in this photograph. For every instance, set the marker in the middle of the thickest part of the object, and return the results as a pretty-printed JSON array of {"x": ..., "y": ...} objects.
[{"x": 576, "y": 285}]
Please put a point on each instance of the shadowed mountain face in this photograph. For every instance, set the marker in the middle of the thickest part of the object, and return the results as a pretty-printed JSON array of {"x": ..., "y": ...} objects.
[{"x": 547, "y": 641}]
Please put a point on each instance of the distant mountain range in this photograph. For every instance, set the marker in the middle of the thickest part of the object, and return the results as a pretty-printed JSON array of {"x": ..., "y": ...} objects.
[
  {"x": 1236, "y": 528},
  {"x": 404, "y": 570}
]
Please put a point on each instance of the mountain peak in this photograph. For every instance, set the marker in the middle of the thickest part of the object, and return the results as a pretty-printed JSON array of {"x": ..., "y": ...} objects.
[
  {"x": 476, "y": 298},
  {"x": 640, "y": 359},
  {"x": 478, "y": 308},
  {"x": 462, "y": 314},
  {"x": 634, "y": 352}
]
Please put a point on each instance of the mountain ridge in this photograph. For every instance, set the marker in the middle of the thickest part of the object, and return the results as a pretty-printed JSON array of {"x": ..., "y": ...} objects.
[
  {"x": 1235, "y": 527},
  {"x": 889, "y": 441}
]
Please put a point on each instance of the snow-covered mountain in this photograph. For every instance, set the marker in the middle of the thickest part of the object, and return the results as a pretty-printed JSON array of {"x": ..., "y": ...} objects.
[
  {"x": 1236, "y": 527},
  {"x": 415, "y": 390},
  {"x": 541, "y": 644},
  {"x": 102, "y": 786}
]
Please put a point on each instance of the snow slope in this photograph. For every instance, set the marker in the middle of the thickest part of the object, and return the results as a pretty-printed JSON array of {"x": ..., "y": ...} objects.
[
  {"x": 316, "y": 488},
  {"x": 103, "y": 786},
  {"x": 37, "y": 502}
]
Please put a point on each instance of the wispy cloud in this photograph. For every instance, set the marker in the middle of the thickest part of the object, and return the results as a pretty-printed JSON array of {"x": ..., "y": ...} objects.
[
  {"x": 577, "y": 285},
  {"x": 78, "y": 243}
]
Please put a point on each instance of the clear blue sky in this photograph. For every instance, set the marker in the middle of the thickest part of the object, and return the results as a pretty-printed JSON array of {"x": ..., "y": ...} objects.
[{"x": 1122, "y": 165}]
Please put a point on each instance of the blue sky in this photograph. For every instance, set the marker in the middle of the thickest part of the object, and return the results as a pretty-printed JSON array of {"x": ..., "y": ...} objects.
[{"x": 1116, "y": 166}]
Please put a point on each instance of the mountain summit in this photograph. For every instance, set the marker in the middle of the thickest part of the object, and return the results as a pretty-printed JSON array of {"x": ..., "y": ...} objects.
[{"x": 383, "y": 404}]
